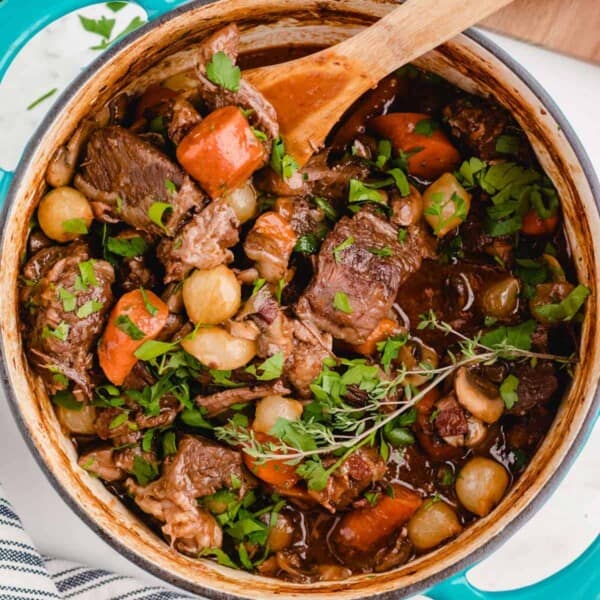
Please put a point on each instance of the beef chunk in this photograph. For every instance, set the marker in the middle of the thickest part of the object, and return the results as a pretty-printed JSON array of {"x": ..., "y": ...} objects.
[
  {"x": 68, "y": 298},
  {"x": 362, "y": 468},
  {"x": 203, "y": 243},
  {"x": 477, "y": 124},
  {"x": 124, "y": 176},
  {"x": 369, "y": 281},
  {"x": 450, "y": 419},
  {"x": 305, "y": 362},
  {"x": 199, "y": 468},
  {"x": 302, "y": 215},
  {"x": 536, "y": 386},
  {"x": 316, "y": 178},
  {"x": 180, "y": 118},
  {"x": 262, "y": 115},
  {"x": 101, "y": 462},
  {"x": 218, "y": 403}
]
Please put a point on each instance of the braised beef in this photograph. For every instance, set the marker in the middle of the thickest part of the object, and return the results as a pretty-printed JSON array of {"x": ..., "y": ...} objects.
[
  {"x": 199, "y": 468},
  {"x": 449, "y": 418},
  {"x": 218, "y": 403},
  {"x": 536, "y": 386},
  {"x": 202, "y": 243},
  {"x": 125, "y": 176},
  {"x": 68, "y": 296},
  {"x": 368, "y": 281}
]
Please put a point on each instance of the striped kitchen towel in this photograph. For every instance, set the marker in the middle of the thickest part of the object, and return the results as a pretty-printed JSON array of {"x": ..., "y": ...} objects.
[{"x": 26, "y": 575}]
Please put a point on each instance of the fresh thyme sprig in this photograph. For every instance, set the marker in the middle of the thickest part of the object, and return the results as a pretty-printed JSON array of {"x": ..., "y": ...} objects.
[{"x": 329, "y": 425}]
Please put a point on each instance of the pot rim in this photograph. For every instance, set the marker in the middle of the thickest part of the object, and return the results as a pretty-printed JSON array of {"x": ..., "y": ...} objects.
[{"x": 462, "y": 564}]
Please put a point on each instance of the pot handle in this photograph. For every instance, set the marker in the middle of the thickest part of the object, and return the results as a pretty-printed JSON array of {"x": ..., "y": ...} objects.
[
  {"x": 578, "y": 581},
  {"x": 20, "y": 23}
]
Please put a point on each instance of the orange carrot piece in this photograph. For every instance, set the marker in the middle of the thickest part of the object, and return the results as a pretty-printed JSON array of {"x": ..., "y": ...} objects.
[
  {"x": 131, "y": 323},
  {"x": 274, "y": 472},
  {"x": 365, "y": 528},
  {"x": 221, "y": 152},
  {"x": 430, "y": 155},
  {"x": 385, "y": 328},
  {"x": 533, "y": 224}
]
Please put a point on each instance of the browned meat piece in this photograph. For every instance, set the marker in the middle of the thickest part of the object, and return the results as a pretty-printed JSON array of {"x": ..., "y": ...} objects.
[
  {"x": 199, "y": 468},
  {"x": 537, "y": 385},
  {"x": 203, "y": 243},
  {"x": 368, "y": 281},
  {"x": 450, "y": 419},
  {"x": 37, "y": 241},
  {"x": 263, "y": 115},
  {"x": 217, "y": 403},
  {"x": 303, "y": 216},
  {"x": 137, "y": 421},
  {"x": 477, "y": 124},
  {"x": 138, "y": 378},
  {"x": 275, "y": 327},
  {"x": 124, "y": 176},
  {"x": 316, "y": 178},
  {"x": 180, "y": 118},
  {"x": 304, "y": 364},
  {"x": 135, "y": 271},
  {"x": 68, "y": 298},
  {"x": 362, "y": 468},
  {"x": 101, "y": 462}
]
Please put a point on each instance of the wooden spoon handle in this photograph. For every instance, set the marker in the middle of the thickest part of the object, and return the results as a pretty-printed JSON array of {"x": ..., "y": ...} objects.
[{"x": 409, "y": 31}]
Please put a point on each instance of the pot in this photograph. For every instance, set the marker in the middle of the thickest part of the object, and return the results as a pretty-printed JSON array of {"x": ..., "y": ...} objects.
[{"x": 166, "y": 45}]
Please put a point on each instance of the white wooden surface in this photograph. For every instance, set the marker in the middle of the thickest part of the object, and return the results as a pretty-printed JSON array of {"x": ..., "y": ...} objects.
[{"x": 568, "y": 522}]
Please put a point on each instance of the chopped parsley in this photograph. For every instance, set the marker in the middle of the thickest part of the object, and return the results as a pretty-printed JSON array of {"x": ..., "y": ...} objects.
[
  {"x": 401, "y": 181},
  {"x": 402, "y": 234},
  {"x": 144, "y": 471},
  {"x": 116, "y": 6},
  {"x": 169, "y": 443},
  {"x": 567, "y": 308},
  {"x": 360, "y": 193},
  {"x": 384, "y": 153},
  {"x": 223, "y": 378},
  {"x": 372, "y": 497},
  {"x": 508, "y": 144},
  {"x": 268, "y": 370},
  {"x": 337, "y": 251},
  {"x": 283, "y": 164},
  {"x": 326, "y": 207},
  {"x": 439, "y": 207},
  {"x": 426, "y": 127},
  {"x": 42, "y": 98},
  {"x": 156, "y": 213},
  {"x": 259, "y": 135},
  {"x": 517, "y": 336},
  {"x": 508, "y": 391},
  {"x": 152, "y": 349},
  {"x": 342, "y": 303},
  {"x": 89, "y": 308},
  {"x": 152, "y": 310},
  {"x": 68, "y": 299},
  {"x": 221, "y": 71},
  {"x": 170, "y": 187},
  {"x": 66, "y": 399},
  {"x": 126, "y": 325},
  {"x": 87, "y": 276},
  {"x": 383, "y": 252},
  {"x": 60, "y": 332},
  {"x": 390, "y": 349},
  {"x": 102, "y": 26},
  {"x": 78, "y": 226},
  {"x": 127, "y": 247},
  {"x": 307, "y": 244}
]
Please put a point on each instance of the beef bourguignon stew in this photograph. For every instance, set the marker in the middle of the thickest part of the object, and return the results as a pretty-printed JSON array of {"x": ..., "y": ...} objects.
[{"x": 310, "y": 372}]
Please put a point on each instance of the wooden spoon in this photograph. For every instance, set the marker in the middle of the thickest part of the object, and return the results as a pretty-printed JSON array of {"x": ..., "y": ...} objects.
[{"x": 310, "y": 94}]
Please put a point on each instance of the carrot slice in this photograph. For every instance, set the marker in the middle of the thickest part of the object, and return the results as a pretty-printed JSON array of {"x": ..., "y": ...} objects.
[
  {"x": 275, "y": 472},
  {"x": 221, "y": 152},
  {"x": 136, "y": 318},
  {"x": 385, "y": 328},
  {"x": 365, "y": 528},
  {"x": 430, "y": 153}
]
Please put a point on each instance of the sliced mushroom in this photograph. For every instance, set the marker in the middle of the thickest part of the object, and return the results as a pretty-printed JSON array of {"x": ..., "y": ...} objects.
[
  {"x": 417, "y": 353},
  {"x": 478, "y": 395},
  {"x": 476, "y": 433}
]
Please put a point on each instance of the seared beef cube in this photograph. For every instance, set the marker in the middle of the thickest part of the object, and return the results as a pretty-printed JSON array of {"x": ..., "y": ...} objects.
[
  {"x": 68, "y": 298},
  {"x": 124, "y": 176},
  {"x": 362, "y": 468},
  {"x": 361, "y": 272},
  {"x": 202, "y": 243},
  {"x": 536, "y": 386},
  {"x": 198, "y": 469}
]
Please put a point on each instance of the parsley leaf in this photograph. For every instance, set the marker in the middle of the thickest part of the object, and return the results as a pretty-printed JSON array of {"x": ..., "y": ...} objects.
[
  {"x": 126, "y": 325},
  {"x": 518, "y": 336},
  {"x": 116, "y": 6},
  {"x": 315, "y": 474},
  {"x": 223, "y": 378},
  {"x": 127, "y": 247},
  {"x": 152, "y": 310},
  {"x": 170, "y": 187},
  {"x": 384, "y": 153},
  {"x": 337, "y": 251},
  {"x": 283, "y": 164},
  {"x": 87, "y": 275},
  {"x": 342, "y": 303},
  {"x": 169, "y": 443},
  {"x": 42, "y": 98},
  {"x": 152, "y": 349},
  {"x": 426, "y": 127},
  {"x": 508, "y": 144},
  {"x": 383, "y": 252},
  {"x": 400, "y": 180},
  {"x": 307, "y": 244},
  {"x": 75, "y": 226},
  {"x": 66, "y": 399},
  {"x": 221, "y": 71},
  {"x": 89, "y": 308},
  {"x": 270, "y": 369},
  {"x": 360, "y": 192},
  {"x": 69, "y": 300},
  {"x": 61, "y": 332},
  {"x": 144, "y": 471},
  {"x": 326, "y": 207},
  {"x": 102, "y": 26},
  {"x": 567, "y": 308},
  {"x": 508, "y": 391},
  {"x": 390, "y": 349},
  {"x": 157, "y": 211}
]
